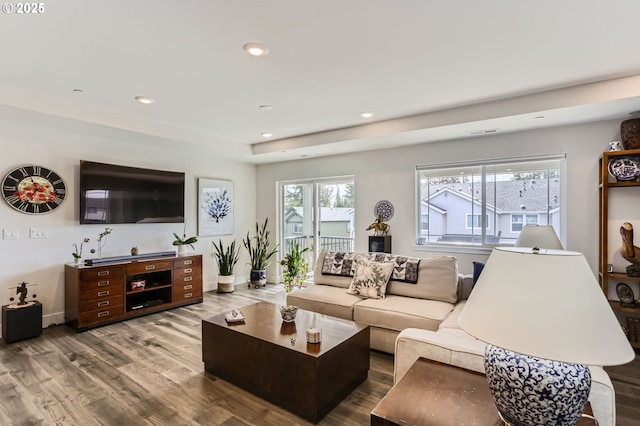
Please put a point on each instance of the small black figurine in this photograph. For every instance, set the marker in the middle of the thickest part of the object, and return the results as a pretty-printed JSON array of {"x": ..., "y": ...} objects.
[{"x": 22, "y": 290}]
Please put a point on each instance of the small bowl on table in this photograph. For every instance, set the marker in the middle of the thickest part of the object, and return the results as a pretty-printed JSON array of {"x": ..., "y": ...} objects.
[{"x": 288, "y": 313}]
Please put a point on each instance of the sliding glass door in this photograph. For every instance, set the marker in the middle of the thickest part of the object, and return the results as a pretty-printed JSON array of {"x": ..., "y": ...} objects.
[{"x": 318, "y": 214}]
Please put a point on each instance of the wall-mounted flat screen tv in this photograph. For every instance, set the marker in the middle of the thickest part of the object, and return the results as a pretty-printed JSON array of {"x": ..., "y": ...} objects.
[{"x": 112, "y": 194}]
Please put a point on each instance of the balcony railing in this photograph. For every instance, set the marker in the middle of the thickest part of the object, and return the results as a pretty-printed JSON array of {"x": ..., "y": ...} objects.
[{"x": 341, "y": 244}]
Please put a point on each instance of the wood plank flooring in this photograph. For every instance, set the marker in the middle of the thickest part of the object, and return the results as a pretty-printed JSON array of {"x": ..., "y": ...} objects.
[{"x": 149, "y": 371}]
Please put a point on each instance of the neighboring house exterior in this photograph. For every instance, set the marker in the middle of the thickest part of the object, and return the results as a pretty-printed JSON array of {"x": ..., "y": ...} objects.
[
  {"x": 336, "y": 226},
  {"x": 452, "y": 212}
]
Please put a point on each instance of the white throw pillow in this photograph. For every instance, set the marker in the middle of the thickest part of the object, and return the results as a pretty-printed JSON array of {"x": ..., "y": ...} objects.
[{"x": 370, "y": 279}]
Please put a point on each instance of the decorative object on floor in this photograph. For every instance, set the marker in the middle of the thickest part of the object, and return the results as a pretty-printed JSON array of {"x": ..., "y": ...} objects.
[
  {"x": 624, "y": 168},
  {"x": 314, "y": 335},
  {"x": 630, "y": 133},
  {"x": 134, "y": 251},
  {"x": 102, "y": 240},
  {"x": 625, "y": 294},
  {"x": 215, "y": 207},
  {"x": 541, "y": 236},
  {"x": 226, "y": 257},
  {"x": 183, "y": 242},
  {"x": 260, "y": 253},
  {"x": 549, "y": 319},
  {"x": 383, "y": 208},
  {"x": 615, "y": 146},
  {"x": 379, "y": 227},
  {"x": 33, "y": 189},
  {"x": 288, "y": 313},
  {"x": 628, "y": 251},
  {"x": 77, "y": 251},
  {"x": 295, "y": 268}
]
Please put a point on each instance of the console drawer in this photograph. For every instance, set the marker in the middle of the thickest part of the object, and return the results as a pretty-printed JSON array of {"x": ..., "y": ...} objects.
[
  {"x": 104, "y": 303},
  {"x": 103, "y": 314},
  {"x": 101, "y": 293},
  {"x": 102, "y": 273},
  {"x": 143, "y": 267}
]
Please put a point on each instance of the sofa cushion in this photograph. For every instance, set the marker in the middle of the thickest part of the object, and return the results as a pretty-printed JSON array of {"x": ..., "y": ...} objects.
[
  {"x": 397, "y": 312},
  {"x": 326, "y": 279},
  {"x": 324, "y": 299},
  {"x": 437, "y": 280},
  {"x": 370, "y": 279}
]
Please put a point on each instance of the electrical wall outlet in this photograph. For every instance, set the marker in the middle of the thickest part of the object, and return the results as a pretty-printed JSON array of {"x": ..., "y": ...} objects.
[
  {"x": 39, "y": 233},
  {"x": 10, "y": 234}
]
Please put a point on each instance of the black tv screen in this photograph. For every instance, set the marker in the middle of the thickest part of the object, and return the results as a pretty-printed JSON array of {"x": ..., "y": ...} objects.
[{"x": 111, "y": 194}]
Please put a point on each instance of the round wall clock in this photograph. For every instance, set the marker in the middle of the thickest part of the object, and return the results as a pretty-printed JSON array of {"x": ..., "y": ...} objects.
[
  {"x": 384, "y": 208},
  {"x": 33, "y": 189}
]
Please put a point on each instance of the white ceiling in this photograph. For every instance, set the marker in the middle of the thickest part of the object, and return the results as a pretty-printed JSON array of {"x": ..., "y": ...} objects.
[{"x": 429, "y": 69}]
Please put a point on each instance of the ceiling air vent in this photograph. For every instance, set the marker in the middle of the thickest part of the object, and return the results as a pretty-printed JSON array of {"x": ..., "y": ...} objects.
[{"x": 483, "y": 132}]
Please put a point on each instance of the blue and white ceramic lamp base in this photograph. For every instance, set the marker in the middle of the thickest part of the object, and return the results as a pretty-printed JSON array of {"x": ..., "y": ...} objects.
[{"x": 533, "y": 391}]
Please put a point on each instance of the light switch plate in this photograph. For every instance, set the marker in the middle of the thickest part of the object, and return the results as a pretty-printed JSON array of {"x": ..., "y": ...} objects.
[
  {"x": 10, "y": 234},
  {"x": 39, "y": 233}
]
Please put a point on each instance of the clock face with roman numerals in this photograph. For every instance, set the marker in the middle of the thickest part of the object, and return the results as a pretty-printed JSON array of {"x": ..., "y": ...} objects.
[{"x": 33, "y": 189}]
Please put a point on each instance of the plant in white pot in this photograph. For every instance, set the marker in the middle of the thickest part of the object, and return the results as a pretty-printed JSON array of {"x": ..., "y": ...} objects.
[
  {"x": 183, "y": 242},
  {"x": 260, "y": 253},
  {"x": 227, "y": 257},
  {"x": 295, "y": 268}
]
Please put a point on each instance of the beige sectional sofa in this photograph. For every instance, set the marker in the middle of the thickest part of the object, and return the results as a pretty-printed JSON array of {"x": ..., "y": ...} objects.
[
  {"x": 421, "y": 320},
  {"x": 424, "y": 304}
]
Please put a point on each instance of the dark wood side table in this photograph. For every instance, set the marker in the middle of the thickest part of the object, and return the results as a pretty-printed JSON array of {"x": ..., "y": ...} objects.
[
  {"x": 19, "y": 323},
  {"x": 436, "y": 394}
]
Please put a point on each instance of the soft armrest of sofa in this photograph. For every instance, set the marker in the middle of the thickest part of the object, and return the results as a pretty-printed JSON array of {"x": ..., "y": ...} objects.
[{"x": 413, "y": 343}]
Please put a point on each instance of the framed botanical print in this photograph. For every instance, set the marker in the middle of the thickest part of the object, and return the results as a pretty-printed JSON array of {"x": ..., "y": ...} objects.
[{"x": 215, "y": 207}]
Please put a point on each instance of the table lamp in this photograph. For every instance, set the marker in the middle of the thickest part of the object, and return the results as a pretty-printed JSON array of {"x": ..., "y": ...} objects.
[
  {"x": 542, "y": 236},
  {"x": 545, "y": 319}
]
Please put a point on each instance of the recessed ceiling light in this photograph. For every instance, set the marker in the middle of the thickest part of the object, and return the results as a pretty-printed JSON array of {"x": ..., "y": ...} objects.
[
  {"x": 539, "y": 117},
  {"x": 145, "y": 100},
  {"x": 255, "y": 49},
  {"x": 78, "y": 90},
  {"x": 366, "y": 114},
  {"x": 265, "y": 108},
  {"x": 266, "y": 134}
]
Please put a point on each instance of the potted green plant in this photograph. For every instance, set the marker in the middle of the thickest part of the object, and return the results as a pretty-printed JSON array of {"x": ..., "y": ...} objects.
[
  {"x": 260, "y": 253},
  {"x": 295, "y": 267},
  {"x": 227, "y": 257},
  {"x": 183, "y": 242}
]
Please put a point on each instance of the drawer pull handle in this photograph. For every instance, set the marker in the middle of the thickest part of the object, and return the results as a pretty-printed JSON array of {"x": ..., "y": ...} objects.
[
  {"x": 103, "y": 293},
  {"x": 188, "y": 287},
  {"x": 188, "y": 295},
  {"x": 188, "y": 278},
  {"x": 188, "y": 262},
  {"x": 103, "y": 273},
  {"x": 105, "y": 303},
  {"x": 188, "y": 270},
  {"x": 103, "y": 283},
  {"x": 103, "y": 313},
  {"x": 150, "y": 267}
]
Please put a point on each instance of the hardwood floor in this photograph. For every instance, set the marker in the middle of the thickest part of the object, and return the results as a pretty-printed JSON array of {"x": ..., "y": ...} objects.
[{"x": 149, "y": 371}]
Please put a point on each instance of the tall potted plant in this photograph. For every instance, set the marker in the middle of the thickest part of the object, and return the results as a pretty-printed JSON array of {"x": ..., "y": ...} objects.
[
  {"x": 226, "y": 257},
  {"x": 260, "y": 253},
  {"x": 295, "y": 267}
]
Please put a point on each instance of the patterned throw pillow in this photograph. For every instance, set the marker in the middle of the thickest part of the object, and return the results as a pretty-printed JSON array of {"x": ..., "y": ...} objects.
[{"x": 370, "y": 279}]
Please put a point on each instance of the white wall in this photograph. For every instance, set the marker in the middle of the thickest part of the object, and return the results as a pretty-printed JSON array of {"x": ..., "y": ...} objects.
[
  {"x": 60, "y": 144},
  {"x": 390, "y": 174}
]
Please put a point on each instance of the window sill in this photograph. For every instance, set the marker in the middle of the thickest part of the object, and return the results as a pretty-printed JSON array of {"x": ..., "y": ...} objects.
[{"x": 443, "y": 248}]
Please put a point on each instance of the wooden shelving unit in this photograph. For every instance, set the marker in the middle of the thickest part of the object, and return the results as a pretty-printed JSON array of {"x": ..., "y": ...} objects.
[{"x": 608, "y": 185}]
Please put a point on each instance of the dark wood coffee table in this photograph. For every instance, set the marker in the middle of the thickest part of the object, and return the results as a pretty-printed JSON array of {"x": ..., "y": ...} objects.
[
  {"x": 260, "y": 356},
  {"x": 442, "y": 395}
]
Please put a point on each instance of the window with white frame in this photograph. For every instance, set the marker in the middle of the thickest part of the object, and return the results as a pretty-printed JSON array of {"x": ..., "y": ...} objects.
[
  {"x": 520, "y": 220},
  {"x": 487, "y": 203}
]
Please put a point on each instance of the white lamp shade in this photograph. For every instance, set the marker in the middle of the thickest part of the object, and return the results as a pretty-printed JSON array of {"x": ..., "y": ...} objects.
[
  {"x": 542, "y": 236},
  {"x": 547, "y": 305}
]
